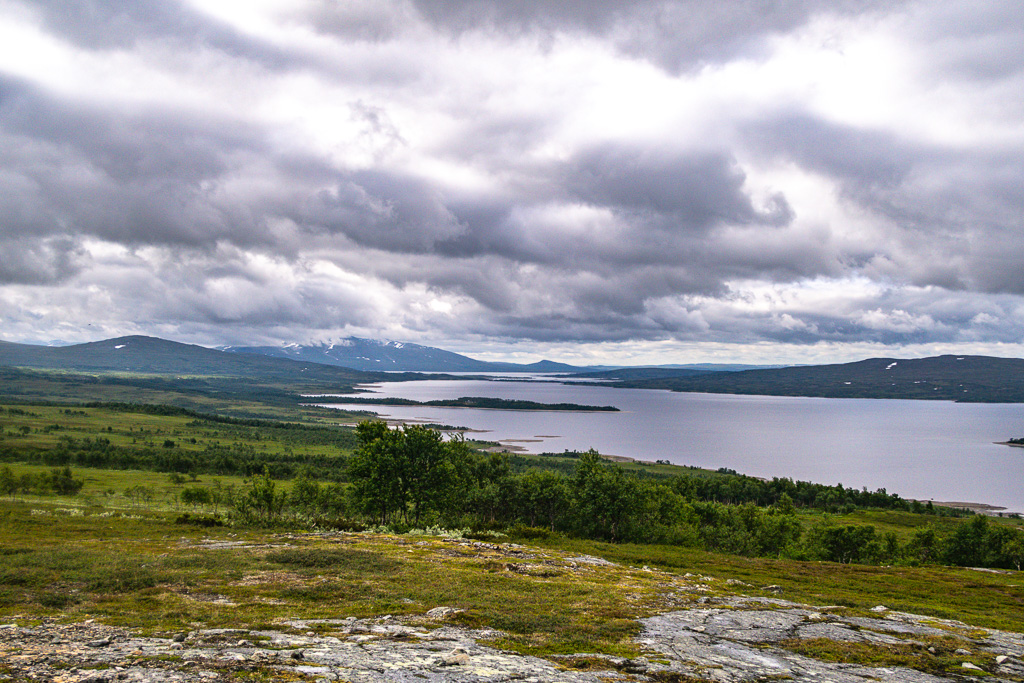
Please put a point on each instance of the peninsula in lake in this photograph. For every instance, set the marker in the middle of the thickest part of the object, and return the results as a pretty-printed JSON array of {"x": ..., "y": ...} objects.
[
  {"x": 974, "y": 379},
  {"x": 479, "y": 402}
]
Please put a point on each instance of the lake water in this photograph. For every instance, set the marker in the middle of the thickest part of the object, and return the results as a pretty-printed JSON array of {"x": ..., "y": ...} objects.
[{"x": 919, "y": 449}]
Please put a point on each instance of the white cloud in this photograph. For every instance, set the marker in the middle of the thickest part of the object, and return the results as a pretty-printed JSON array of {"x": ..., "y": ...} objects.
[{"x": 639, "y": 179}]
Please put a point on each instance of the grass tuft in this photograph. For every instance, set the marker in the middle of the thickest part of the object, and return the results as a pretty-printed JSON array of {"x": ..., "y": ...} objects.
[
  {"x": 939, "y": 660},
  {"x": 328, "y": 558}
]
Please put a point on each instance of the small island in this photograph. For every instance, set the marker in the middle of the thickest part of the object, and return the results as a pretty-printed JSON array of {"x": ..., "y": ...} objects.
[{"x": 480, "y": 402}]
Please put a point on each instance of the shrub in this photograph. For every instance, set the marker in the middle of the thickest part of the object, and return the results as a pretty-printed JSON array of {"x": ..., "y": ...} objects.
[{"x": 199, "y": 520}]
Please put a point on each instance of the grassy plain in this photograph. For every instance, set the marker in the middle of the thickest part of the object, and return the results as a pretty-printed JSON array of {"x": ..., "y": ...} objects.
[
  {"x": 141, "y": 569},
  {"x": 981, "y": 598},
  {"x": 48, "y": 424},
  {"x": 230, "y": 396},
  {"x": 105, "y": 555},
  {"x": 145, "y": 571}
]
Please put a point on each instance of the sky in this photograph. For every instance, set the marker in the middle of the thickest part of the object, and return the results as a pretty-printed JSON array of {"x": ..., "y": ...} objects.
[{"x": 770, "y": 181}]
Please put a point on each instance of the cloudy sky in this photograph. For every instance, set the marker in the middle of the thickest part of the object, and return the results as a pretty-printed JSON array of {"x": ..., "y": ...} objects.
[{"x": 584, "y": 180}]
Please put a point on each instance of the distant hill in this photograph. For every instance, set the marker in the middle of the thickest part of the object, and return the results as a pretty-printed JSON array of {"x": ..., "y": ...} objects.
[
  {"x": 150, "y": 355},
  {"x": 372, "y": 355},
  {"x": 952, "y": 378},
  {"x": 665, "y": 371},
  {"x": 637, "y": 374}
]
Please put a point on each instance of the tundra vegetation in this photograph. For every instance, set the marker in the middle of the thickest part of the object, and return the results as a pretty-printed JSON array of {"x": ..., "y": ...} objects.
[
  {"x": 483, "y": 402},
  {"x": 316, "y": 476},
  {"x": 92, "y": 491}
]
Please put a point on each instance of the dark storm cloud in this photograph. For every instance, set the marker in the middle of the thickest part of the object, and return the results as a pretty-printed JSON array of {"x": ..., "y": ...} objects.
[
  {"x": 363, "y": 20},
  {"x": 861, "y": 159},
  {"x": 974, "y": 42},
  {"x": 362, "y": 181},
  {"x": 31, "y": 261},
  {"x": 691, "y": 191},
  {"x": 676, "y": 35},
  {"x": 383, "y": 210},
  {"x": 153, "y": 176},
  {"x": 942, "y": 200},
  {"x": 662, "y": 206},
  {"x": 132, "y": 177},
  {"x": 124, "y": 24}
]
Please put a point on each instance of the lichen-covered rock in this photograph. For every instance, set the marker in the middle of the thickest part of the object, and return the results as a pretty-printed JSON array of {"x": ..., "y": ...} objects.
[
  {"x": 733, "y": 640},
  {"x": 739, "y": 641}
]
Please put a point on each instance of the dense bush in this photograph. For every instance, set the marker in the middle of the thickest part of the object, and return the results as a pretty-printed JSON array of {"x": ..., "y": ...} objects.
[
  {"x": 59, "y": 481},
  {"x": 414, "y": 477}
]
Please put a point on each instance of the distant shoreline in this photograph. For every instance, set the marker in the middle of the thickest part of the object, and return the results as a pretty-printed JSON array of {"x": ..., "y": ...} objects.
[
  {"x": 477, "y": 402},
  {"x": 518, "y": 443},
  {"x": 980, "y": 508}
]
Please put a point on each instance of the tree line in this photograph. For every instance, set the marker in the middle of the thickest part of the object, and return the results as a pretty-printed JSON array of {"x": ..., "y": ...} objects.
[
  {"x": 59, "y": 481},
  {"x": 412, "y": 477},
  {"x": 233, "y": 458}
]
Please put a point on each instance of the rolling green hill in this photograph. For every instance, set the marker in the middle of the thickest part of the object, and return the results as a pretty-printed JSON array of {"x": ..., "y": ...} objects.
[
  {"x": 372, "y": 355},
  {"x": 949, "y": 378},
  {"x": 150, "y": 370},
  {"x": 150, "y": 355},
  {"x": 640, "y": 374}
]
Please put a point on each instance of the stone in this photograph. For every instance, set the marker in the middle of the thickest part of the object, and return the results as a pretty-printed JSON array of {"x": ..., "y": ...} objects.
[
  {"x": 589, "y": 559},
  {"x": 728, "y": 639},
  {"x": 636, "y": 666},
  {"x": 456, "y": 659},
  {"x": 442, "y": 612}
]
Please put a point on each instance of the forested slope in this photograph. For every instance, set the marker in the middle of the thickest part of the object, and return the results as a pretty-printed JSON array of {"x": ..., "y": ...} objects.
[{"x": 949, "y": 378}]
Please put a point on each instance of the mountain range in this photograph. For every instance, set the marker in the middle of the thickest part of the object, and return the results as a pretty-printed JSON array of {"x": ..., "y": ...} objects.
[
  {"x": 352, "y": 356},
  {"x": 151, "y": 355},
  {"x": 952, "y": 378},
  {"x": 371, "y": 355},
  {"x": 955, "y": 378}
]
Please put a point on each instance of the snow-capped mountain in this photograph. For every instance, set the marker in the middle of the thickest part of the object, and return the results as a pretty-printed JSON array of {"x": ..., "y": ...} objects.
[{"x": 372, "y": 354}]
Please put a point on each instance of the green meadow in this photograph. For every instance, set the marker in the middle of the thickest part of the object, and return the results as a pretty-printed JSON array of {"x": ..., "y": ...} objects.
[{"x": 136, "y": 544}]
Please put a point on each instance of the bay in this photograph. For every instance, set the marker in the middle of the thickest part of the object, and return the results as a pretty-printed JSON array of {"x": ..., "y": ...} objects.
[{"x": 931, "y": 450}]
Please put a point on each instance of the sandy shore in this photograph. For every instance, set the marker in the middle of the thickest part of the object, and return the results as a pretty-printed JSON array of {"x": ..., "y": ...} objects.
[
  {"x": 980, "y": 508},
  {"x": 511, "y": 446}
]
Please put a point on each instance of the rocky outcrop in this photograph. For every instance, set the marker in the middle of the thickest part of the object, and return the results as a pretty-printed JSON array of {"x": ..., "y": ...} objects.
[
  {"x": 373, "y": 650},
  {"x": 722, "y": 639},
  {"x": 749, "y": 639}
]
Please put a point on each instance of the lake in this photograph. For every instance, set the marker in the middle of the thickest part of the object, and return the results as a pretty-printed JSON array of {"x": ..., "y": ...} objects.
[{"x": 932, "y": 450}]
